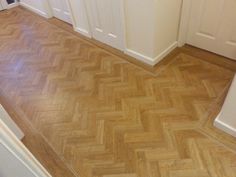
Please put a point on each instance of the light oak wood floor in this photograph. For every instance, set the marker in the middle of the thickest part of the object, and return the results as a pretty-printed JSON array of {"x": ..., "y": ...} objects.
[{"x": 89, "y": 112}]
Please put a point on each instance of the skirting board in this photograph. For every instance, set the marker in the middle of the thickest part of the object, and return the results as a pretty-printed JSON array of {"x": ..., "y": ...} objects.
[
  {"x": 224, "y": 127},
  {"x": 39, "y": 12},
  {"x": 149, "y": 60}
]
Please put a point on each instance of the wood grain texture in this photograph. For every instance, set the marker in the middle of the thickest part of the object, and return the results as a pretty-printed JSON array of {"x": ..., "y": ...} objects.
[{"x": 98, "y": 115}]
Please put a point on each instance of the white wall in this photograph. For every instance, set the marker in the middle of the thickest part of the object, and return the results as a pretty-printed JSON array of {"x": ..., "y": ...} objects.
[
  {"x": 8, "y": 162},
  {"x": 226, "y": 120},
  {"x": 140, "y": 26},
  {"x": 15, "y": 158},
  {"x": 40, "y": 7},
  {"x": 4, "y": 116},
  {"x": 167, "y": 24},
  {"x": 151, "y": 28}
]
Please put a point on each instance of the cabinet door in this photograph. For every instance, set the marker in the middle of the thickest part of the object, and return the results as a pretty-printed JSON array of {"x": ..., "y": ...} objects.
[
  {"x": 204, "y": 24},
  {"x": 80, "y": 17},
  {"x": 61, "y": 10},
  {"x": 106, "y": 19},
  {"x": 212, "y": 26}
]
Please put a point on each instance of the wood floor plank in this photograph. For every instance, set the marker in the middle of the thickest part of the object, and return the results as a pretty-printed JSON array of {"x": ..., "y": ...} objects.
[{"x": 94, "y": 114}]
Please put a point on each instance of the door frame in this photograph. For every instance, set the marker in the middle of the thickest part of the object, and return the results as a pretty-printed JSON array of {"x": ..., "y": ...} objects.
[{"x": 184, "y": 22}]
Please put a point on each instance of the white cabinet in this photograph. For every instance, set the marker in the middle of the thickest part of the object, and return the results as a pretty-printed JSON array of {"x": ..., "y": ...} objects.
[
  {"x": 107, "y": 21},
  {"x": 146, "y": 30},
  {"x": 212, "y": 26},
  {"x": 60, "y": 10},
  {"x": 102, "y": 20},
  {"x": 79, "y": 17}
]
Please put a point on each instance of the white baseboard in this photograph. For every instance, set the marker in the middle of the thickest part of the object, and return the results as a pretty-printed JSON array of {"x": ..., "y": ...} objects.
[
  {"x": 149, "y": 60},
  {"x": 224, "y": 127},
  {"x": 165, "y": 52},
  {"x": 139, "y": 56},
  {"x": 33, "y": 9},
  {"x": 83, "y": 32}
]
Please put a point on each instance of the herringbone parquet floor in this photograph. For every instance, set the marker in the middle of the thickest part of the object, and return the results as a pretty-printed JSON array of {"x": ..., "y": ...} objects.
[{"x": 105, "y": 117}]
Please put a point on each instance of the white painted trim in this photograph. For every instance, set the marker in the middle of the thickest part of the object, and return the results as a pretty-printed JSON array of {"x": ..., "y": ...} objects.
[
  {"x": 33, "y": 9},
  {"x": 184, "y": 22},
  {"x": 20, "y": 152},
  {"x": 149, "y": 60},
  {"x": 139, "y": 56},
  {"x": 224, "y": 127},
  {"x": 167, "y": 51}
]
